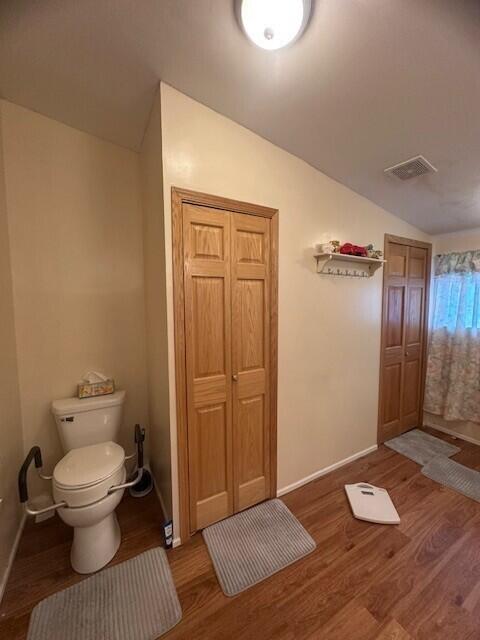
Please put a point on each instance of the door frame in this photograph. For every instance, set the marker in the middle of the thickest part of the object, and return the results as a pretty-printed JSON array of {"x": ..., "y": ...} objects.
[
  {"x": 179, "y": 198},
  {"x": 422, "y": 245}
]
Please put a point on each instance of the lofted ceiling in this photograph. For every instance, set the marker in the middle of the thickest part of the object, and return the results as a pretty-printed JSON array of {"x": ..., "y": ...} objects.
[{"x": 370, "y": 83}]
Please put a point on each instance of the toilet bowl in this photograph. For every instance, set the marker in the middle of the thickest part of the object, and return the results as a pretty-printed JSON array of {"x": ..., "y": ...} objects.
[{"x": 82, "y": 480}]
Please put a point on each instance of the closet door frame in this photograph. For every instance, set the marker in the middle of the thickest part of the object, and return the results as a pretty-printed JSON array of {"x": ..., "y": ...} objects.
[
  {"x": 422, "y": 245},
  {"x": 179, "y": 198}
]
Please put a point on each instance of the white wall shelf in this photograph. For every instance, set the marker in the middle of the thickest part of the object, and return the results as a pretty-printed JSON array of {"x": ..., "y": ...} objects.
[{"x": 339, "y": 264}]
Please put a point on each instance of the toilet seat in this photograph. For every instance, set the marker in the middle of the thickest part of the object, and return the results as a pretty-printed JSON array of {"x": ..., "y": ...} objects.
[{"x": 84, "y": 475}]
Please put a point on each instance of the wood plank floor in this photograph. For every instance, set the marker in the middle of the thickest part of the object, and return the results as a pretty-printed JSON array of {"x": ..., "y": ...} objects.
[{"x": 416, "y": 581}]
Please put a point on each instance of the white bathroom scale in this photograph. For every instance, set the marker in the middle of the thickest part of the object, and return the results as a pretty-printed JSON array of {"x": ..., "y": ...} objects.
[{"x": 371, "y": 504}]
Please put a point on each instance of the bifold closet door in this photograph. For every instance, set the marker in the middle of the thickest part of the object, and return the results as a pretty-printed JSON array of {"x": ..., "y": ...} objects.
[
  {"x": 207, "y": 286},
  {"x": 250, "y": 358},
  {"x": 227, "y": 347},
  {"x": 402, "y": 376}
]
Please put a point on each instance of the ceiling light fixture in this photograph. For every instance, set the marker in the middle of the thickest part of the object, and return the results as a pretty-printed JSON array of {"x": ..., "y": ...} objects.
[{"x": 273, "y": 24}]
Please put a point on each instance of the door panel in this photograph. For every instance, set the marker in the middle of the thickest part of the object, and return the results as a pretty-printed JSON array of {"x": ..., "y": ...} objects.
[
  {"x": 397, "y": 262},
  {"x": 395, "y": 307},
  {"x": 250, "y": 358},
  {"x": 251, "y": 303},
  {"x": 251, "y": 423},
  {"x": 403, "y": 337},
  {"x": 208, "y": 363},
  {"x": 391, "y": 405},
  {"x": 393, "y": 378},
  {"x": 207, "y": 241},
  {"x": 414, "y": 328},
  {"x": 208, "y": 302},
  {"x": 211, "y": 446},
  {"x": 417, "y": 263},
  {"x": 411, "y": 398},
  {"x": 250, "y": 247}
]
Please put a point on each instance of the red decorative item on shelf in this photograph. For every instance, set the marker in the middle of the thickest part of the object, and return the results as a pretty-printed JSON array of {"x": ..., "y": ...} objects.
[{"x": 350, "y": 249}]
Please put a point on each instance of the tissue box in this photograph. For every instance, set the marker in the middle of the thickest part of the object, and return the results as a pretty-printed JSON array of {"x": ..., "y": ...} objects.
[{"x": 92, "y": 389}]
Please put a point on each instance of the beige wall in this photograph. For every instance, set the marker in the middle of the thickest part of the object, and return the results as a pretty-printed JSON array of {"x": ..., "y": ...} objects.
[
  {"x": 447, "y": 243},
  {"x": 75, "y": 225},
  {"x": 11, "y": 445},
  {"x": 155, "y": 306},
  {"x": 329, "y": 328},
  {"x": 459, "y": 241}
]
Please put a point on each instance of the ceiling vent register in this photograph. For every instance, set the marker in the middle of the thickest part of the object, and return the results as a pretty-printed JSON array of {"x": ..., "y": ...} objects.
[{"x": 412, "y": 168}]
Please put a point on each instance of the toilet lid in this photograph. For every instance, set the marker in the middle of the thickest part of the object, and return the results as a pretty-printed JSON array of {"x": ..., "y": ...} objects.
[{"x": 86, "y": 466}]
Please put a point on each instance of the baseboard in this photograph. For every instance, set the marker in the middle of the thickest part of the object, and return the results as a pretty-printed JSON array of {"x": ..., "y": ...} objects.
[
  {"x": 450, "y": 432},
  {"x": 12, "y": 555},
  {"x": 176, "y": 542},
  {"x": 325, "y": 470}
]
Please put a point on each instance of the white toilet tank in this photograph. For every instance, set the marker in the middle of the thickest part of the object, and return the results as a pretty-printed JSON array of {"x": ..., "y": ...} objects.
[{"x": 88, "y": 421}]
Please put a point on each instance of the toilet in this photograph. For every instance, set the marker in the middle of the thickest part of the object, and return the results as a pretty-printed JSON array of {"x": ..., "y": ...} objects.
[{"x": 89, "y": 479}]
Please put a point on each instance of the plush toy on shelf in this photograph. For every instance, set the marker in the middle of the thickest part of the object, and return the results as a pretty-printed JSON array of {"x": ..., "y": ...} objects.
[
  {"x": 328, "y": 247},
  {"x": 350, "y": 249},
  {"x": 373, "y": 253}
]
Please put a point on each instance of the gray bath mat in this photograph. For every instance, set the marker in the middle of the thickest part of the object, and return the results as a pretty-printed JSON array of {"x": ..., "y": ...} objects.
[
  {"x": 254, "y": 544},
  {"x": 135, "y": 600},
  {"x": 420, "y": 446},
  {"x": 454, "y": 475}
]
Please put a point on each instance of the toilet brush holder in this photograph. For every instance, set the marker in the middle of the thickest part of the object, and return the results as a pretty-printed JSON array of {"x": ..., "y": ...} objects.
[{"x": 144, "y": 485}]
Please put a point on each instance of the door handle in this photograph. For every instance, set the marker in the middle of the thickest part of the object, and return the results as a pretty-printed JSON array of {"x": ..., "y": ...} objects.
[{"x": 235, "y": 377}]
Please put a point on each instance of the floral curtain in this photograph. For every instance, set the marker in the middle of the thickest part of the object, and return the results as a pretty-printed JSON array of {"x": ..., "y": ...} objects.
[{"x": 453, "y": 365}]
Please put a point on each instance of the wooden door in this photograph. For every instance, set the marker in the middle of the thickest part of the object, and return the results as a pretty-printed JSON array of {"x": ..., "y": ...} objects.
[
  {"x": 404, "y": 333},
  {"x": 206, "y": 241},
  {"x": 226, "y": 436},
  {"x": 250, "y": 358}
]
